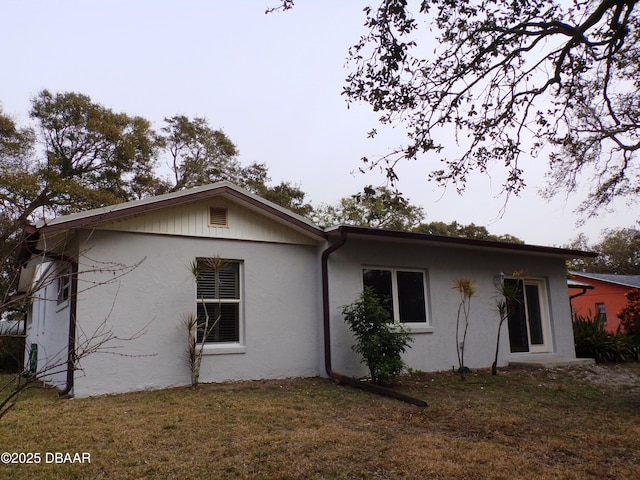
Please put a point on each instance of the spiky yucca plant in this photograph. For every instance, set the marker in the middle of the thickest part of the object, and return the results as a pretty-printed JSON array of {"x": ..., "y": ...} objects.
[{"x": 467, "y": 290}]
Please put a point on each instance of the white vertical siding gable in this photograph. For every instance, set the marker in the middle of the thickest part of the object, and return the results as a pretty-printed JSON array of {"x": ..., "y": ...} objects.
[{"x": 193, "y": 220}]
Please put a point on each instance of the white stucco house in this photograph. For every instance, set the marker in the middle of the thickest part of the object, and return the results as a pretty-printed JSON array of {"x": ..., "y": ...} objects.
[{"x": 122, "y": 273}]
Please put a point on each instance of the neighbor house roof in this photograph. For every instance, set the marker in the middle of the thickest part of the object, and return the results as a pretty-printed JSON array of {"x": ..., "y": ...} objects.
[{"x": 632, "y": 281}]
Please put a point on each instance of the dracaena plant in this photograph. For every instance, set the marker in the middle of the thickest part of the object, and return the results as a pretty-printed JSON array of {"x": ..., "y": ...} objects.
[
  {"x": 466, "y": 288},
  {"x": 207, "y": 324}
]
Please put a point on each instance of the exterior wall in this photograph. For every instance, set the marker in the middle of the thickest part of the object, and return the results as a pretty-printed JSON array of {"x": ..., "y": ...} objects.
[
  {"x": 436, "y": 349},
  {"x": 48, "y": 327},
  {"x": 282, "y": 318},
  {"x": 610, "y": 294}
]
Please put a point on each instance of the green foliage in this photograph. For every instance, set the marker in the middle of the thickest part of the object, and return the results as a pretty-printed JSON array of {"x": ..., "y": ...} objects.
[
  {"x": 618, "y": 252},
  {"x": 592, "y": 341},
  {"x": 454, "y": 229},
  {"x": 377, "y": 207},
  {"x": 630, "y": 315},
  {"x": 197, "y": 153},
  {"x": 286, "y": 195},
  {"x": 94, "y": 157},
  {"x": 379, "y": 341}
]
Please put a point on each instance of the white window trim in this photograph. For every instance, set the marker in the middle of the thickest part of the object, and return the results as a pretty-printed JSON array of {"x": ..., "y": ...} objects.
[
  {"x": 412, "y": 327},
  {"x": 545, "y": 313},
  {"x": 63, "y": 281},
  {"x": 221, "y": 348}
]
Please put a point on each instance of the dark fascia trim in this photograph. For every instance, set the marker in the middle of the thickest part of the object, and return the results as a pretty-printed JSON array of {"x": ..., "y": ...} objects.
[
  {"x": 468, "y": 242},
  {"x": 118, "y": 213}
]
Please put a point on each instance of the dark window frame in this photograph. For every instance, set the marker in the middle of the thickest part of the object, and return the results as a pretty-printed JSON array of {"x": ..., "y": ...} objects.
[{"x": 400, "y": 300}]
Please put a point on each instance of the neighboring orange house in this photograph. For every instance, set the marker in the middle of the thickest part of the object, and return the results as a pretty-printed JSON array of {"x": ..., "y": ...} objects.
[{"x": 602, "y": 294}]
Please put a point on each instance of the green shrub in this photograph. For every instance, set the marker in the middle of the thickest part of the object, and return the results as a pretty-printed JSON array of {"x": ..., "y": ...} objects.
[
  {"x": 630, "y": 316},
  {"x": 379, "y": 341},
  {"x": 592, "y": 341}
]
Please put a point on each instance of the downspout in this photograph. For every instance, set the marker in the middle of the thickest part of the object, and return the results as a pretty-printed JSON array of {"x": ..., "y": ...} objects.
[
  {"x": 571, "y": 297},
  {"x": 340, "y": 378},
  {"x": 73, "y": 303},
  {"x": 584, "y": 290},
  {"x": 71, "y": 345}
]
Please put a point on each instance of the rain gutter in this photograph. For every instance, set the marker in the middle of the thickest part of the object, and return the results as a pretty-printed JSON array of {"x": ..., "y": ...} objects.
[
  {"x": 584, "y": 291},
  {"x": 339, "y": 377}
]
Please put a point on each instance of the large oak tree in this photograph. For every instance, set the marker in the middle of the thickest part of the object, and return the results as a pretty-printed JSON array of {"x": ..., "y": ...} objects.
[{"x": 81, "y": 154}]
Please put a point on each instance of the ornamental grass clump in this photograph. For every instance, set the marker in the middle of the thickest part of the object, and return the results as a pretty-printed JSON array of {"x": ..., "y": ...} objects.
[{"x": 380, "y": 342}]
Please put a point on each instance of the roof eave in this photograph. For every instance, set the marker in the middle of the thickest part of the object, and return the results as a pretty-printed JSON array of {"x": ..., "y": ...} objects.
[
  {"x": 604, "y": 280},
  {"x": 460, "y": 241}
]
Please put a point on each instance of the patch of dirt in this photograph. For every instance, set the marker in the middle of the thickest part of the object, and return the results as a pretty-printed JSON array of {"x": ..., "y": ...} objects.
[{"x": 627, "y": 374}]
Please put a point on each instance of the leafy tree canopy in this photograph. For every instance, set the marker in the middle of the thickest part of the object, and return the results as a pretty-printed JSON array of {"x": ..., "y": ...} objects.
[
  {"x": 197, "y": 153},
  {"x": 618, "y": 252},
  {"x": 93, "y": 156},
  {"x": 454, "y": 229},
  {"x": 381, "y": 207},
  {"x": 510, "y": 78},
  {"x": 374, "y": 207}
]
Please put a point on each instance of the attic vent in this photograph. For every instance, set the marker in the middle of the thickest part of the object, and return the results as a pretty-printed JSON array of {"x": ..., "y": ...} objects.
[{"x": 218, "y": 217}]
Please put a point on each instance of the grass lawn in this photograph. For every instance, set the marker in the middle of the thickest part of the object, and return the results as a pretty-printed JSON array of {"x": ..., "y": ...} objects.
[{"x": 575, "y": 423}]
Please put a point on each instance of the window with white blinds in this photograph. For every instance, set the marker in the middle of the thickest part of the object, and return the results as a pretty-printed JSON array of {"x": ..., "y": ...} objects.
[{"x": 218, "y": 301}]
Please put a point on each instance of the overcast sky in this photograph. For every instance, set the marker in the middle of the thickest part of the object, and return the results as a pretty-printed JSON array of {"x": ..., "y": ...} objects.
[{"x": 272, "y": 83}]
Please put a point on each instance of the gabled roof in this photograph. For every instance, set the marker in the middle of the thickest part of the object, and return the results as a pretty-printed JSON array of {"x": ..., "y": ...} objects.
[
  {"x": 94, "y": 217},
  {"x": 632, "y": 281},
  {"x": 460, "y": 242},
  {"x": 226, "y": 189}
]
